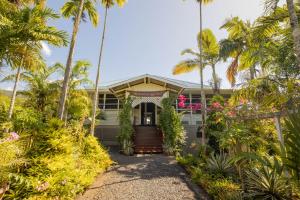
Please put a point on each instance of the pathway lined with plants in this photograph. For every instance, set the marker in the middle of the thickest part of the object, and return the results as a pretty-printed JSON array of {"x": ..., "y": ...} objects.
[{"x": 143, "y": 177}]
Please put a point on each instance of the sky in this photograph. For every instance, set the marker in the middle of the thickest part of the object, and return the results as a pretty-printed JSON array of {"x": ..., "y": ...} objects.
[{"x": 147, "y": 36}]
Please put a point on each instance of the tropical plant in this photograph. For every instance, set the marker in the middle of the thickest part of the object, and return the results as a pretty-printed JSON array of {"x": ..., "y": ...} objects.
[
  {"x": 291, "y": 157},
  {"x": 75, "y": 9},
  {"x": 267, "y": 181},
  {"x": 220, "y": 164},
  {"x": 201, "y": 67},
  {"x": 21, "y": 33},
  {"x": 209, "y": 57},
  {"x": 171, "y": 126},
  {"x": 126, "y": 130},
  {"x": 41, "y": 90},
  {"x": 239, "y": 46},
  {"x": 78, "y": 102},
  {"x": 271, "y": 5},
  {"x": 107, "y": 4}
]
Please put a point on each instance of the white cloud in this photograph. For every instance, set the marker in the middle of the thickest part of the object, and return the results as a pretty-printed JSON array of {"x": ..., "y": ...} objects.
[{"x": 46, "y": 49}]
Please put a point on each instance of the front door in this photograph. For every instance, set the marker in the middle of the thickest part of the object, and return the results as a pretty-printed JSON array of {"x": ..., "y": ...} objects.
[{"x": 148, "y": 114}]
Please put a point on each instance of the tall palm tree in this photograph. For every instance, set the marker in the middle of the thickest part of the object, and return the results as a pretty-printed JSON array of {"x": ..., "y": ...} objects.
[
  {"x": 21, "y": 38},
  {"x": 107, "y": 4},
  {"x": 75, "y": 9},
  {"x": 203, "y": 98}
]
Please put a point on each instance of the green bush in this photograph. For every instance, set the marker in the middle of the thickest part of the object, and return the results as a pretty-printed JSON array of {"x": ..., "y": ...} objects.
[
  {"x": 224, "y": 189},
  {"x": 125, "y": 136},
  {"x": 170, "y": 123},
  {"x": 61, "y": 162}
]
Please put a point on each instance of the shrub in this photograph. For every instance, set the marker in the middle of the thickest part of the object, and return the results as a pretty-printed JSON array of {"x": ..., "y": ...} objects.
[
  {"x": 126, "y": 133},
  {"x": 224, "y": 189},
  {"x": 61, "y": 162},
  {"x": 170, "y": 122},
  {"x": 188, "y": 160}
]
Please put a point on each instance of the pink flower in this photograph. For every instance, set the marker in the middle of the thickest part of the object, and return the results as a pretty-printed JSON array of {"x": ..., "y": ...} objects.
[
  {"x": 217, "y": 105},
  {"x": 181, "y": 104},
  {"x": 11, "y": 137},
  {"x": 195, "y": 106},
  {"x": 182, "y": 98}
]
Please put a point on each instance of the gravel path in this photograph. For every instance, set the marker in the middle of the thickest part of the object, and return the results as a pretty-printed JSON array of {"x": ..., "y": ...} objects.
[{"x": 143, "y": 177}]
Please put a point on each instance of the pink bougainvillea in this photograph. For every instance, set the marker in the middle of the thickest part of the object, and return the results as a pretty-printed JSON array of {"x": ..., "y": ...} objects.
[
  {"x": 182, "y": 104},
  {"x": 182, "y": 98}
]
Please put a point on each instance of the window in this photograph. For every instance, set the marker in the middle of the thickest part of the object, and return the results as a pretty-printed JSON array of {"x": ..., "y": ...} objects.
[
  {"x": 185, "y": 122},
  {"x": 101, "y": 101},
  {"x": 111, "y": 102}
]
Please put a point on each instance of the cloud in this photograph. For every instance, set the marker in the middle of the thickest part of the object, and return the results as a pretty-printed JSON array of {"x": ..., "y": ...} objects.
[{"x": 46, "y": 49}]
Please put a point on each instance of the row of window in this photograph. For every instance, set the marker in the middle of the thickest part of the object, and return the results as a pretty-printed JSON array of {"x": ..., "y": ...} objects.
[{"x": 109, "y": 101}]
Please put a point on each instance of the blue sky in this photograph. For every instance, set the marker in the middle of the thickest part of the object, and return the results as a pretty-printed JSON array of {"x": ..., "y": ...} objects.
[{"x": 147, "y": 36}]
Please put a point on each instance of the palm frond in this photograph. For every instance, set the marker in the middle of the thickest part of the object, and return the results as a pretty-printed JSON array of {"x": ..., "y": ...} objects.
[
  {"x": 186, "y": 66},
  {"x": 190, "y": 51},
  {"x": 232, "y": 71}
]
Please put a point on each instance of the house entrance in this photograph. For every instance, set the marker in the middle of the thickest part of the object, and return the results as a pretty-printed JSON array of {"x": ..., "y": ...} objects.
[{"x": 148, "y": 114}]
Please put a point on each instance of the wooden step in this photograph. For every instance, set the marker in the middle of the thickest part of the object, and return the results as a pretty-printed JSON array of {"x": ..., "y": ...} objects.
[
  {"x": 148, "y": 149},
  {"x": 147, "y": 140}
]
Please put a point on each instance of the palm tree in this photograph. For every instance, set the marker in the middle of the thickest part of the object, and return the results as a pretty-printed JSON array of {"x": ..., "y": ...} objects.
[
  {"x": 107, "y": 4},
  {"x": 78, "y": 78},
  {"x": 210, "y": 57},
  {"x": 201, "y": 67},
  {"x": 75, "y": 9},
  {"x": 21, "y": 35},
  {"x": 41, "y": 90},
  {"x": 241, "y": 47},
  {"x": 211, "y": 50}
]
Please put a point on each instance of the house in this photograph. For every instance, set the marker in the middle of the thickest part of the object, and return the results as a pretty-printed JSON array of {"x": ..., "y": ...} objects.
[{"x": 147, "y": 91}]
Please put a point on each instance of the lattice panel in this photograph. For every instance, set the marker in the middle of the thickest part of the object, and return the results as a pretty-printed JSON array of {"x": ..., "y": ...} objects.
[{"x": 156, "y": 100}]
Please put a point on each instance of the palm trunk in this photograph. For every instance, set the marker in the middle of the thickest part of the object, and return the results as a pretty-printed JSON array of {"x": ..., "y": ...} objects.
[
  {"x": 92, "y": 131},
  {"x": 14, "y": 94},
  {"x": 203, "y": 102},
  {"x": 64, "y": 91},
  {"x": 215, "y": 78},
  {"x": 295, "y": 28}
]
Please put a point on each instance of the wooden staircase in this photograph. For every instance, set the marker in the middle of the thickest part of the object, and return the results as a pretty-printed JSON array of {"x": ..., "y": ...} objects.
[{"x": 148, "y": 139}]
